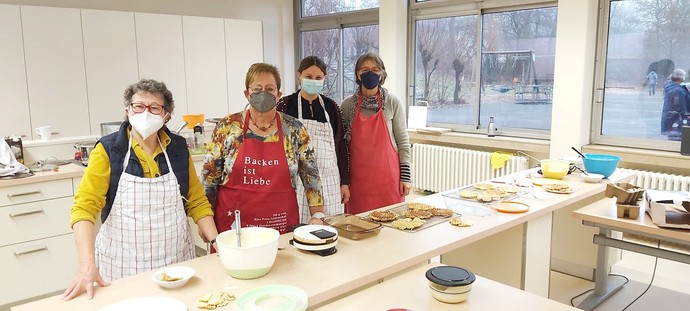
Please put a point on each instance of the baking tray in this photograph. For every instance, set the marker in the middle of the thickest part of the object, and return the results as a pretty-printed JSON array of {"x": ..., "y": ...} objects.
[
  {"x": 430, "y": 222},
  {"x": 455, "y": 194}
]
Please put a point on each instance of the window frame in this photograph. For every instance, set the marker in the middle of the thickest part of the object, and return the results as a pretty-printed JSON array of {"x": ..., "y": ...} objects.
[
  {"x": 451, "y": 8},
  {"x": 598, "y": 96},
  {"x": 339, "y": 21}
]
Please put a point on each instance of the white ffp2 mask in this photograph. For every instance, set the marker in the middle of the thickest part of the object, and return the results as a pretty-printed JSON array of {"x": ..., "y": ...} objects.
[{"x": 146, "y": 123}]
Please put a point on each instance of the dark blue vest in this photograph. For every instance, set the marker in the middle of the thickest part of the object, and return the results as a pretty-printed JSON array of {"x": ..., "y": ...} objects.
[{"x": 116, "y": 144}]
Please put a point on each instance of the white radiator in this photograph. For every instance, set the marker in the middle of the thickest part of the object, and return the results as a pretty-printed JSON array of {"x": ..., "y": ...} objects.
[
  {"x": 658, "y": 181},
  {"x": 438, "y": 168}
]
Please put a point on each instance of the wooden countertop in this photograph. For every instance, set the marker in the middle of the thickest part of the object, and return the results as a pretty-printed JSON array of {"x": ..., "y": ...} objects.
[
  {"x": 355, "y": 265},
  {"x": 63, "y": 171},
  {"x": 604, "y": 212},
  {"x": 410, "y": 290}
]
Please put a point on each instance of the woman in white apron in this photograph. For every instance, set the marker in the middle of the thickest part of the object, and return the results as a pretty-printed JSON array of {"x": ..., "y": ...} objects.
[
  {"x": 142, "y": 180},
  {"x": 322, "y": 118}
]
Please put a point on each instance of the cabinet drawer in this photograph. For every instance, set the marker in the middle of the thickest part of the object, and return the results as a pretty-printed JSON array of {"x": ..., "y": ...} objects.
[
  {"x": 32, "y": 221},
  {"x": 36, "y": 268},
  {"x": 36, "y": 192}
]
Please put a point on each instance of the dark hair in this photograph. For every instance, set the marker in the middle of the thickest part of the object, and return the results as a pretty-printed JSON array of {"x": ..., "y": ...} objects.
[
  {"x": 258, "y": 68},
  {"x": 374, "y": 58},
  {"x": 312, "y": 61},
  {"x": 153, "y": 87}
]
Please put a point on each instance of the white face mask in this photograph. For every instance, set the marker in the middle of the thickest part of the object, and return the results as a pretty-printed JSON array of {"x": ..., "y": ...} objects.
[{"x": 146, "y": 123}]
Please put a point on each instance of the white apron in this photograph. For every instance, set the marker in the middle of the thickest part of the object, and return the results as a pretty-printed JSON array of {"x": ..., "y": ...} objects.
[
  {"x": 147, "y": 226},
  {"x": 327, "y": 161}
]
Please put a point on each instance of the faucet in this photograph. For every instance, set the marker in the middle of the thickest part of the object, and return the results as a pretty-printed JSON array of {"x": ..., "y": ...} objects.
[{"x": 184, "y": 123}]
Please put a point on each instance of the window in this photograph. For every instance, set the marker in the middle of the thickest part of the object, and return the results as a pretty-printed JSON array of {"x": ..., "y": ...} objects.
[
  {"x": 513, "y": 61},
  {"x": 338, "y": 40},
  {"x": 644, "y": 41},
  {"x": 325, "y": 7}
]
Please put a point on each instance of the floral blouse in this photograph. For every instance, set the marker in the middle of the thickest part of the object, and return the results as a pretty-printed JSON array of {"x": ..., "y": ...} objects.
[{"x": 225, "y": 143}]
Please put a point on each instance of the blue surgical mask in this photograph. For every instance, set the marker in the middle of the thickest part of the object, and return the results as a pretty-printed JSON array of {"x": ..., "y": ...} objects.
[
  {"x": 370, "y": 80},
  {"x": 262, "y": 101},
  {"x": 312, "y": 87}
]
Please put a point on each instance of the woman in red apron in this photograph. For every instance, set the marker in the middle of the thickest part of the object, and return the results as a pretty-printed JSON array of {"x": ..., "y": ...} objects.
[
  {"x": 254, "y": 158},
  {"x": 375, "y": 126}
]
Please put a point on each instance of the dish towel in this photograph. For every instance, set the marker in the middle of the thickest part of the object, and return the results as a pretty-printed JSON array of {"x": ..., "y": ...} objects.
[
  {"x": 8, "y": 163},
  {"x": 499, "y": 159}
]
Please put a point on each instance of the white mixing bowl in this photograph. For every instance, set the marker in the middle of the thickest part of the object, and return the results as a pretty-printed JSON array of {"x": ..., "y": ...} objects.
[{"x": 256, "y": 255}]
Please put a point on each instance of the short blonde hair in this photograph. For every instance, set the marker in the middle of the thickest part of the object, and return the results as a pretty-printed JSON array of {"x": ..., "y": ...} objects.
[{"x": 258, "y": 68}]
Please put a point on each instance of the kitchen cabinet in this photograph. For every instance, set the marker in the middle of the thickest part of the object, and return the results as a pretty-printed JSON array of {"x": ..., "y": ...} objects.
[
  {"x": 204, "y": 56},
  {"x": 160, "y": 54},
  {"x": 55, "y": 73},
  {"x": 37, "y": 247},
  {"x": 243, "y": 47},
  {"x": 13, "y": 74},
  {"x": 110, "y": 55}
]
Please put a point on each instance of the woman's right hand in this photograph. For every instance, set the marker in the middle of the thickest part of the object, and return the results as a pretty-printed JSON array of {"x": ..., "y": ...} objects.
[{"x": 84, "y": 280}]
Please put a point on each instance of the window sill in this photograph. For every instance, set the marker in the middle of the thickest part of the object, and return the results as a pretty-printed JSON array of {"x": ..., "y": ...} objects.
[
  {"x": 648, "y": 160},
  {"x": 481, "y": 142}
]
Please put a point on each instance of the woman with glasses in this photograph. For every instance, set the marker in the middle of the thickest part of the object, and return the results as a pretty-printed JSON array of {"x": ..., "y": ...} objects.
[
  {"x": 376, "y": 130},
  {"x": 142, "y": 181},
  {"x": 323, "y": 119},
  {"x": 254, "y": 158}
]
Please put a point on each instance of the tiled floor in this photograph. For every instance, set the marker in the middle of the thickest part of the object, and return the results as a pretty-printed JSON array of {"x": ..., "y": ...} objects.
[{"x": 670, "y": 289}]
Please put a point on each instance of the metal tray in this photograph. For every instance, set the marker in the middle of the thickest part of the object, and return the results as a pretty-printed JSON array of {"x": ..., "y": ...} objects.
[
  {"x": 455, "y": 194},
  {"x": 430, "y": 222}
]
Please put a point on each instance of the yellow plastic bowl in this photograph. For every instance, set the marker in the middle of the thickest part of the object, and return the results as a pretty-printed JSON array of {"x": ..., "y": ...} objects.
[{"x": 556, "y": 169}]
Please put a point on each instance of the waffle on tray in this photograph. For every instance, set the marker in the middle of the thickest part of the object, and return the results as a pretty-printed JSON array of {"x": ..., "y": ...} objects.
[
  {"x": 408, "y": 223},
  {"x": 384, "y": 216}
]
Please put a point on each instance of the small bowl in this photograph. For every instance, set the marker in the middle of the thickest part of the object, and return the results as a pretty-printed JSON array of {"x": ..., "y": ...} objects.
[
  {"x": 181, "y": 273},
  {"x": 591, "y": 177},
  {"x": 450, "y": 284},
  {"x": 353, "y": 227}
]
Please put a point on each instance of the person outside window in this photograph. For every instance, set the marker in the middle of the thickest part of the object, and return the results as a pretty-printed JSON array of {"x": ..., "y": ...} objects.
[
  {"x": 321, "y": 116},
  {"x": 142, "y": 181},
  {"x": 375, "y": 126},
  {"x": 676, "y": 101},
  {"x": 651, "y": 82}
]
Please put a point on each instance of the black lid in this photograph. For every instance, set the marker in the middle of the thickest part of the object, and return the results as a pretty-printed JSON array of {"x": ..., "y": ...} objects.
[{"x": 450, "y": 276}]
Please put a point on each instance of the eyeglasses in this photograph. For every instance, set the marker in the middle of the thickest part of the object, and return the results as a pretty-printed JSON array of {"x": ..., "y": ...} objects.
[
  {"x": 257, "y": 88},
  {"x": 375, "y": 70},
  {"x": 140, "y": 107}
]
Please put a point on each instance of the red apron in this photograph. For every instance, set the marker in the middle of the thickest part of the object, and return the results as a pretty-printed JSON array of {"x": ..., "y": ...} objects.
[
  {"x": 260, "y": 187},
  {"x": 374, "y": 163}
]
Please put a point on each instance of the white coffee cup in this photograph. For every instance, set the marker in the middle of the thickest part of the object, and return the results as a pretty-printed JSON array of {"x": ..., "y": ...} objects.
[{"x": 44, "y": 132}]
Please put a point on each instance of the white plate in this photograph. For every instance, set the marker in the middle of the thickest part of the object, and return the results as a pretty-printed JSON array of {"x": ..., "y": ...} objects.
[
  {"x": 274, "y": 298},
  {"x": 152, "y": 303}
]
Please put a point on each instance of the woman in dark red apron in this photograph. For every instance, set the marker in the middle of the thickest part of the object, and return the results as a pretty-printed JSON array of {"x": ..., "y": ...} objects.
[
  {"x": 375, "y": 126},
  {"x": 254, "y": 158}
]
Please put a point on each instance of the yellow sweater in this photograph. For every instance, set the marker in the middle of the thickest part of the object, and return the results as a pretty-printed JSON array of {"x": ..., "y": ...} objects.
[{"x": 90, "y": 197}]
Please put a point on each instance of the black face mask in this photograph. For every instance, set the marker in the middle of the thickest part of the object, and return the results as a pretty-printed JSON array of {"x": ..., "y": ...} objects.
[
  {"x": 370, "y": 80},
  {"x": 262, "y": 101}
]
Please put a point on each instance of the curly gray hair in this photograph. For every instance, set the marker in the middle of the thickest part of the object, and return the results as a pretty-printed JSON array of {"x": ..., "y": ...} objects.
[{"x": 153, "y": 87}]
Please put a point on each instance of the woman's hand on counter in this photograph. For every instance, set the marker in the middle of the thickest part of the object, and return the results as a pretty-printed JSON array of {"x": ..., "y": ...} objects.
[{"x": 84, "y": 280}]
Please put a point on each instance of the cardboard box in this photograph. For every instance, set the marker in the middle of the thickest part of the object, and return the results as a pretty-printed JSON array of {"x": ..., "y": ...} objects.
[{"x": 669, "y": 209}]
